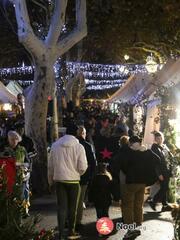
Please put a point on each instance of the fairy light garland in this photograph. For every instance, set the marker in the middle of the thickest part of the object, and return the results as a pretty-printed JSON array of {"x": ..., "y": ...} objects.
[{"x": 97, "y": 76}]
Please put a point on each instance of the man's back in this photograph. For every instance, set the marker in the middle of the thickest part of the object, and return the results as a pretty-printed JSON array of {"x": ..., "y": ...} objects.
[{"x": 67, "y": 159}]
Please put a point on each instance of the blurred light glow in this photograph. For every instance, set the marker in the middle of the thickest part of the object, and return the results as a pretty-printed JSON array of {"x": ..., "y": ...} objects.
[
  {"x": 126, "y": 57},
  {"x": 151, "y": 65},
  {"x": 7, "y": 107},
  {"x": 175, "y": 124}
]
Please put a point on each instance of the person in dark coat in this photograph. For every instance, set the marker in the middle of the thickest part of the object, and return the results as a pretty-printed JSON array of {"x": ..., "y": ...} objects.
[
  {"x": 26, "y": 141},
  {"x": 117, "y": 174},
  {"x": 164, "y": 153},
  {"x": 87, "y": 177},
  {"x": 100, "y": 191},
  {"x": 136, "y": 165}
]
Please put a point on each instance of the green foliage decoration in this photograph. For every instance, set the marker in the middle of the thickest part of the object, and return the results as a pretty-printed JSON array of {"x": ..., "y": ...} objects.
[
  {"x": 12, "y": 224},
  {"x": 167, "y": 111}
]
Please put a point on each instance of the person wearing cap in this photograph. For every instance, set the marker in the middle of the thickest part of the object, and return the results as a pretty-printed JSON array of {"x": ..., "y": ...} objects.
[
  {"x": 159, "y": 148},
  {"x": 14, "y": 149},
  {"x": 67, "y": 162}
]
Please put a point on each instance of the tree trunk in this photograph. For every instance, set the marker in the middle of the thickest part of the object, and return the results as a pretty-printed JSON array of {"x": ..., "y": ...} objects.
[
  {"x": 45, "y": 52},
  {"x": 78, "y": 88},
  {"x": 36, "y": 104}
]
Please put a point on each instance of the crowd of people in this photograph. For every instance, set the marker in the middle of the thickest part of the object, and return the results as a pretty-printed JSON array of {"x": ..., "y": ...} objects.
[
  {"x": 117, "y": 167},
  {"x": 99, "y": 159}
]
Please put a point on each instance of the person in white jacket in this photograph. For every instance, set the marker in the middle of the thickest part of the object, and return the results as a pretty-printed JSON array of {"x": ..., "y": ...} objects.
[{"x": 67, "y": 162}]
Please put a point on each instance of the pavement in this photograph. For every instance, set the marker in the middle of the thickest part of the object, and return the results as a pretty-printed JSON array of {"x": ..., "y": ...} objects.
[{"x": 156, "y": 226}]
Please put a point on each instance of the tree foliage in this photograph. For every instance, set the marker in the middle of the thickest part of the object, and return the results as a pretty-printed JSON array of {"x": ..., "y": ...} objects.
[{"x": 115, "y": 28}]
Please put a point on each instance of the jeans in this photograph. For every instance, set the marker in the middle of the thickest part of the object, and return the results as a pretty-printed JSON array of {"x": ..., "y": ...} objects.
[{"x": 26, "y": 190}]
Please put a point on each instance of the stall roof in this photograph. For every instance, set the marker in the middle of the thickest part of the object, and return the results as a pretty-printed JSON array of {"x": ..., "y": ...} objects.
[
  {"x": 141, "y": 86},
  {"x": 14, "y": 88},
  {"x": 132, "y": 89},
  {"x": 5, "y": 95}
]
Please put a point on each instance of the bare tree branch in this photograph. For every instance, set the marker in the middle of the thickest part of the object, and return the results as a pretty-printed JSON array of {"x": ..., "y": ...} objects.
[
  {"x": 143, "y": 44},
  {"x": 56, "y": 22},
  {"x": 40, "y": 4},
  {"x": 79, "y": 32},
  {"x": 25, "y": 32},
  {"x": 68, "y": 42},
  {"x": 155, "y": 52},
  {"x": 81, "y": 14}
]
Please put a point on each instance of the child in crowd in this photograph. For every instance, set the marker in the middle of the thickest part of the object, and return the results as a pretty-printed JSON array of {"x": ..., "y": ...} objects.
[{"x": 100, "y": 191}]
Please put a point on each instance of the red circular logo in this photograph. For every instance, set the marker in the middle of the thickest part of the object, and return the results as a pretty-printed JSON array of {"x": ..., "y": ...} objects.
[{"x": 104, "y": 226}]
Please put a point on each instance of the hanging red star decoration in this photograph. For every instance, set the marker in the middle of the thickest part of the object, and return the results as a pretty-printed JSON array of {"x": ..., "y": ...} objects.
[{"x": 106, "y": 154}]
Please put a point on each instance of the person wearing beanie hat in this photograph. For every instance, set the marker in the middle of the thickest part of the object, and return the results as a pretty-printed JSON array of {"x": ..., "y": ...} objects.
[
  {"x": 135, "y": 143},
  {"x": 13, "y": 138},
  {"x": 135, "y": 139},
  {"x": 15, "y": 150}
]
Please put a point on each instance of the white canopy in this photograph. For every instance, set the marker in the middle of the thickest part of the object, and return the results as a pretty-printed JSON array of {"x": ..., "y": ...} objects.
[
  {"x": 5, "y": 95},
  {"x": 14, "y": 88},
  {"x": 132, "y": 89},
  {"x": 143, "y": 85}
]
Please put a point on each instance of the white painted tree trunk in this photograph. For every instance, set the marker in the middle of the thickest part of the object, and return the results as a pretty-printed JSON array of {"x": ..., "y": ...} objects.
[
  {"x": 75, "y": 87},
  {"x": 36, "y": 104},
  {"x": 55, "y": 119},
  {"x": 69, "y": 87},
  {"x": 44, "y": 54},
  {"x": 78, "y": 89}
]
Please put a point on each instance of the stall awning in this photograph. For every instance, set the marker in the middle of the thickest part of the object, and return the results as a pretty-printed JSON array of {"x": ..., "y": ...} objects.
[
  {"x": 14, "y": 88},
  {"x": 141, "y": 86},
  {"x": 5, "y": 95}
]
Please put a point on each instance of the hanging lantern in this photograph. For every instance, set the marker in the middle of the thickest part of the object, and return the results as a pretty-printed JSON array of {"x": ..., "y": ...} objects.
[{"x": 151, "y": 65}]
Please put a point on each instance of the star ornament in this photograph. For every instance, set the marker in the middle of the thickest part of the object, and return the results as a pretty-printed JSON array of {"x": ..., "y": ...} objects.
[{"x": 106, "y": 154}]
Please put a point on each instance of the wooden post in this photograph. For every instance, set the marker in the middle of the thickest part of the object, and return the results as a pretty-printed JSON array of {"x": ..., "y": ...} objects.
[{"x": 55, "y": 119}]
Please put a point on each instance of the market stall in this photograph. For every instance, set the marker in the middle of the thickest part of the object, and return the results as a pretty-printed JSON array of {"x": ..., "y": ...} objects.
[
  {"x": 6, "y": 98},
  {"x": 14, "y": 88}
]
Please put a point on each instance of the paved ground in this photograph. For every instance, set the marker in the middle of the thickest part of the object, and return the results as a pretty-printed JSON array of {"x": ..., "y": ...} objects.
[{"x": 156, "y": 226}]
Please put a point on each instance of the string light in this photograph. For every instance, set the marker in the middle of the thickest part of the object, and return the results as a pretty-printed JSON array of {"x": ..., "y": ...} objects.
[
  {"x": 103, "y": 87},
  {"x": 97, "y": 76},
  {"x": 118, "y": 81},
  {"x": 89, "y": 69},
  {"x": 4, "y": 72}
]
